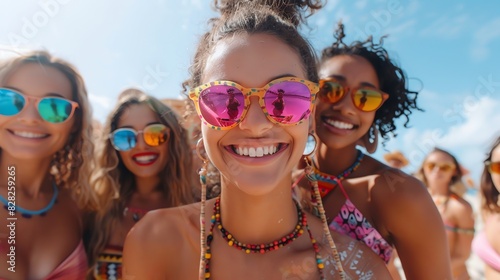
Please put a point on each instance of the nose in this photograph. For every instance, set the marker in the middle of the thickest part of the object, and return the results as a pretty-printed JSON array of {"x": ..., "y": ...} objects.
[
  {"x": 255, "y": 119},
  {"x": 29, "y": 114},
  {"x": 345, "y": 104},
  {"x": 140, "y": 143}
]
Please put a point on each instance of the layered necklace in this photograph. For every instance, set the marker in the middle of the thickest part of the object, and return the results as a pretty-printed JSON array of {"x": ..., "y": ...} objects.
[
  {"x": 25, "y": 213},
  {"x": 216, "y": 220},
  {"x": 327, "y": 182}
]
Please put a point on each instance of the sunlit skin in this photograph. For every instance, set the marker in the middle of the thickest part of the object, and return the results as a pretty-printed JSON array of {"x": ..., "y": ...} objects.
[
  {"x": 374, "y": 188},
  {"x": 256, "y": 200},
  {"x": 37, "y": 254},
  {"x": 455, "y": 212}
]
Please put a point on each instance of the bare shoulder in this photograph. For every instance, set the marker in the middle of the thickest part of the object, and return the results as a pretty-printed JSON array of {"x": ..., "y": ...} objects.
[
  {"x": 460, "y": 206},
  {"x": 152, "y": 245},
  {"x": 390, "y": 184}
]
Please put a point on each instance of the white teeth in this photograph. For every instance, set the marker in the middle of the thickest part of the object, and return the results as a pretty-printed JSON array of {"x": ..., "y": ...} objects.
[
  {"x": 256, "y": 151},
  {"x": 145, "y": 159},
  {"x": 340, "y": 125},
  {"x": 260, "y": 151},
  {"x": 26, "y": 134},
  {"x": 251, "y": 152}
]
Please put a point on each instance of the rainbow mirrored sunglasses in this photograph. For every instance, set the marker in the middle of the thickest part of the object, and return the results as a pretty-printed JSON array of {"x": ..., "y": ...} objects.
[
  {"x": 286, "y": 101},
  {"x": 52, "y": 109},
  {"x": 124, "y": 139}
]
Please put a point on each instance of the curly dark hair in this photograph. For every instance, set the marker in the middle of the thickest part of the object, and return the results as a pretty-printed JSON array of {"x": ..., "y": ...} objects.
[{"x": 392, "y": 79}]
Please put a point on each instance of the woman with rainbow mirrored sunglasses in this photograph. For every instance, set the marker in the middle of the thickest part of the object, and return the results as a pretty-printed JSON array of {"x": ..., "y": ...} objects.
[
  {"x": 253, "y": 86},
  {"x": 144, "y": 162},
  {"x": 46, "y": 157},
  {"x": 361, "y": 94}
]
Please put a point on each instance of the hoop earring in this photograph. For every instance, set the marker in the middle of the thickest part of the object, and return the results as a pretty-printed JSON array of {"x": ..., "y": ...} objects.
[
  {"x": 370, "y": 140},
  {"x": 311, "y": 145}
]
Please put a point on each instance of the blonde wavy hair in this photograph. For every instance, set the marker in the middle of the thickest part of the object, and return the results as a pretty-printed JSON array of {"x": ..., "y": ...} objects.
[
  {"x": 456, "y": 184},
  {"x": 71, "y": 166},
  {"x": 115, "y": 184}
]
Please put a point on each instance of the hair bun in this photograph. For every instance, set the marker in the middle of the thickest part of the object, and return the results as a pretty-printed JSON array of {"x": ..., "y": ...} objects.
[{"x": 290, "y": 10}]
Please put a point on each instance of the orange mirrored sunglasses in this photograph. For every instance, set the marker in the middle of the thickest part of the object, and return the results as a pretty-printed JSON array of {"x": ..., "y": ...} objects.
[
  {"x": 365, "y": 99},
  {"x": 493, "y": 167},
  {"x": 445, "y": 167}
]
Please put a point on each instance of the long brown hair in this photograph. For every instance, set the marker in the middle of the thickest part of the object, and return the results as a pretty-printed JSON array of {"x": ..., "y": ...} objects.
[{"x": 488, "y": 190}]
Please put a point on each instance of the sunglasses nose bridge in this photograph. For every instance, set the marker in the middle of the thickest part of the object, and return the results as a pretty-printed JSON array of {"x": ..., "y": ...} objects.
[
  {"x": 254, "y": 117},
  {"x": 29, "y": 111}
]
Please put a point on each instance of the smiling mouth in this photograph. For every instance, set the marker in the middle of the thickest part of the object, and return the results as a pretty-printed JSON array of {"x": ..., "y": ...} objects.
[
  {"x": 30, "y": 135},
  {"x": 260, "y": 151},
  {"x": 145, "y": 159},
  {"x": 339, "y": 124}
]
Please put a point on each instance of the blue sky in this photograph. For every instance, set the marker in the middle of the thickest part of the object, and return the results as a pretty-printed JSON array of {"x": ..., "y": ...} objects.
[{"x": 449, "y": 50}]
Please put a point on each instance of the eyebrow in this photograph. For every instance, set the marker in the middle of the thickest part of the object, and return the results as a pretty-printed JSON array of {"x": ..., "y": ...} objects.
[
  {"x": 274, "y": 78},
  {"x": 46, "y": 95},
  {"x": 150, "y": 123},
  {"x": 343, "y": 79}
]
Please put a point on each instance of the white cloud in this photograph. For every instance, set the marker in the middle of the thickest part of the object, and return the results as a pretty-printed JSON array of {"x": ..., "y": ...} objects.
[
  {"x": 483, "y": 37},
  {"x": 447, "y": 27},
  {"x": 101, "y": 105},
  {"x": 467, "y": 140}
]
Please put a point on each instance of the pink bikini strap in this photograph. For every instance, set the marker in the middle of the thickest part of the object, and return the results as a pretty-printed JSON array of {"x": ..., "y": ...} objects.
[{"x": 339, "y": 183}]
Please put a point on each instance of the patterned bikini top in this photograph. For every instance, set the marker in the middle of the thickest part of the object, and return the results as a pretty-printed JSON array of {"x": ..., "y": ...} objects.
[
  {"x": 109, "y": 264},
  {"x": 351, "y": 222}
]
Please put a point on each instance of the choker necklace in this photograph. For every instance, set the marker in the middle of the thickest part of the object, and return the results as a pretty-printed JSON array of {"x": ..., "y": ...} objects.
[
  {"x": 25, "y": 213},
  {"x": 260, "y": 248},
  {"x": 327, "y": 182},
  {"x": 137, "y": 213}
]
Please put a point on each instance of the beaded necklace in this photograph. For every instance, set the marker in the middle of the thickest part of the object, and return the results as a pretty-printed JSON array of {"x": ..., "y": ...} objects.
[
  {"x": 260, "y": 248},
  {"x": 25, "y": 213},
  {"x": 327, "y": 182}
]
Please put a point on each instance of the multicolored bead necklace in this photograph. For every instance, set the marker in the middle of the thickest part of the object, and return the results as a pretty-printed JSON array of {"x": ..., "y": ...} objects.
[
  {"x": 327, "y": 182},
  {"x": 260, "y": 248}
]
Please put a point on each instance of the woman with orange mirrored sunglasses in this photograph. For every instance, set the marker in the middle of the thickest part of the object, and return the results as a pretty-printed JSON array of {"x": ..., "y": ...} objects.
[
  {"x": 442, "y": 175},
  {"x": 487, "y": 240},
  {"x": 362, "y": 92}
]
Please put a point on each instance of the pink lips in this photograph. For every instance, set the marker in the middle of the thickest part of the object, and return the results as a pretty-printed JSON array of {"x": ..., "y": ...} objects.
[{"x": 145, "y": 159}]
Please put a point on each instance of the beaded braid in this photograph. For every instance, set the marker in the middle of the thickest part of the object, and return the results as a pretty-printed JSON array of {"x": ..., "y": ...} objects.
[
  {"x": 318, "y": 206},
  {"x": 203, "y": 181}
]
